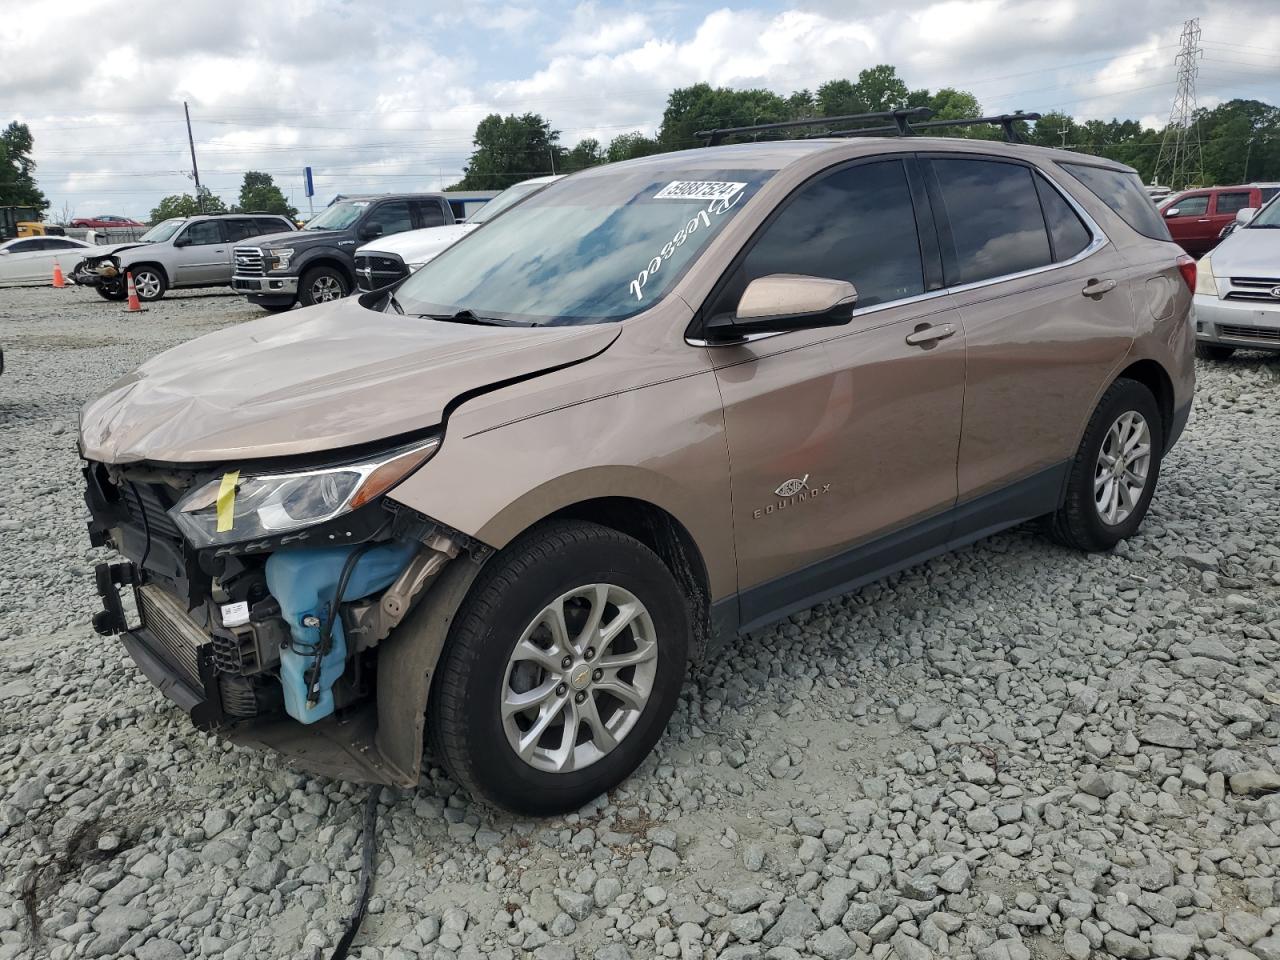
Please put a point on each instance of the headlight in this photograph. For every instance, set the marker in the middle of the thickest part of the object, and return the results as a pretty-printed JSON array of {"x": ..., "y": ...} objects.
[
  {"x": 231, "y": 508},
  {"x": 1205, "y": 284},
  {"x": 280, "y": 258}
]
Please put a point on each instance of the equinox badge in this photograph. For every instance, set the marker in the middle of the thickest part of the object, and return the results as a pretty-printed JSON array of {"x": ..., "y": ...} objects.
[{"x": 793, "y": 491}]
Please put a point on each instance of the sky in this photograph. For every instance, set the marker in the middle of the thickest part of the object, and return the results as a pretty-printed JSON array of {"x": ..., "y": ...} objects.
[{"x": 384, "y": 96}]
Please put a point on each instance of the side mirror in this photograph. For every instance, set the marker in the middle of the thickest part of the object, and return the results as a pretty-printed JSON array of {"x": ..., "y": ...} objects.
[
  {"x": 1171, "y": 212},
  {"x": 1245, "y": 214},
  {"x": 782, "y": 302},
  {"x": 181, "y": 241},
  {"x": 371, "y": 231}
]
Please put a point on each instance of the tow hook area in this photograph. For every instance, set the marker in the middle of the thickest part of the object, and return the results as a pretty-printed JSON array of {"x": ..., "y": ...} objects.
[{"x": 111, "y": 619}]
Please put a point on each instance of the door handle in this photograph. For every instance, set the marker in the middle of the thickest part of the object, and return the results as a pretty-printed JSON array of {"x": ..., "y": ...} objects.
[
  {"x": 1096, "y": 288},
  {"x": 1203, "y": 220},
  {"x": 927, "y": 334}
]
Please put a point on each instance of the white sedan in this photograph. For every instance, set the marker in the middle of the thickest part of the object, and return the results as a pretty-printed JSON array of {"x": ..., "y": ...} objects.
[{"x": 29, "y": 260}]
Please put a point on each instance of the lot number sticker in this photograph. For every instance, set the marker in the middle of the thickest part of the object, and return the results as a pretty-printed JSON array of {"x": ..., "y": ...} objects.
[{"x": 698, "y": 190}]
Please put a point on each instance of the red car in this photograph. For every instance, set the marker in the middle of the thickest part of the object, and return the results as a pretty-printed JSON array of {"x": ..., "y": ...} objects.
[
  {"x": 1196, "y": 217},
  {"x": 104, "y": 221}
]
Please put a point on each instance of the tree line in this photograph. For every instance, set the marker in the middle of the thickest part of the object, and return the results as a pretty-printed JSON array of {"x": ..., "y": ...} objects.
[{"x": 1240, "y": 138}]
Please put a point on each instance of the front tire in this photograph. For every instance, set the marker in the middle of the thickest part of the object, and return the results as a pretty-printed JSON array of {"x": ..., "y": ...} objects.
[
  {"x": 1115, "y": 470},
  {"x": 150, "y": 282},
  {"x": 114, "y": 291},
  {"x": 277, "y": 307},
  {"x": 321, "y": 285},
  {"x": 1213, "y": 352},
  {"x": 562, "y": 668}
]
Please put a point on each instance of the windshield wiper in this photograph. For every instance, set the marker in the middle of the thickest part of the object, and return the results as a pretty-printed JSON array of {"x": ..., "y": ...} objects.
[{"x": 470, "y": 316}]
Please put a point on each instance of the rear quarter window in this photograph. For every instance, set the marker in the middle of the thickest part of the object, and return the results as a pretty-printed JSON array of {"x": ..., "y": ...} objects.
[{"x": 1123, "y": 193}]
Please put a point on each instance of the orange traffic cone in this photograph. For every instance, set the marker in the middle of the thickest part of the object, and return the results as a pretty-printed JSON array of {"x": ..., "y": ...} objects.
[
  {"x": 58, "y": 280},
  {"x": 135, "y": 305}
]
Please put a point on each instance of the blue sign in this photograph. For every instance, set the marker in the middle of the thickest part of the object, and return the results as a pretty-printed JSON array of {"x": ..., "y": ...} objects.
[{"x": 306, "y": 176}]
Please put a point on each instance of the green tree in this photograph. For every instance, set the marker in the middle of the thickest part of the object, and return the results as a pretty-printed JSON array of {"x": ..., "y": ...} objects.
[
  {"x": 877, "y": 88},
  {"x": 628, "y": 146},
  {"x": 259, "y": 194},
  {"x": 704, "y": 107},
  {"x": 186, "y": 205},
  {"x": 510, "y": 149},
  {"x": 586, "y": 153},
  {"x": 17, "y": 169}
]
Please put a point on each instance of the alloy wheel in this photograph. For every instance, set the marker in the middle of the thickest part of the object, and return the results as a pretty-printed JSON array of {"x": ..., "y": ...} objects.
[
  {"x": 1123, "y": 466},
  {"x": 147, "y": 285},
  {"x": 326, "y": 288},
  {"x": 579, "y": 678}
]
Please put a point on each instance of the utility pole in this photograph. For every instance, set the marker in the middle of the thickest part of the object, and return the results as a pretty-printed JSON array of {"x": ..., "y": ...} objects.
[
  {"x": 195, "y": 171},
  {"x": 1180, "y": 152}
]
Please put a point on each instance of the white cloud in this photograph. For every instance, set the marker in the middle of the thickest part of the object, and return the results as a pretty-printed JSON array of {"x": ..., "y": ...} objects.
[{"x": 386, "y": 96}]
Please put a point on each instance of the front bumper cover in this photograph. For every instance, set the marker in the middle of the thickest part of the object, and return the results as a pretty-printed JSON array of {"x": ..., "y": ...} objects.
[
  {"x": 266, "y": 285},
  {"x": 1248, "y": 324}
]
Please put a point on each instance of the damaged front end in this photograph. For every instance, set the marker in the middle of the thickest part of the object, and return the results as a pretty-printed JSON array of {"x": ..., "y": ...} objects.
[
  {"x": 102, "y": 271},
  {"x": 260, "y": 601}
]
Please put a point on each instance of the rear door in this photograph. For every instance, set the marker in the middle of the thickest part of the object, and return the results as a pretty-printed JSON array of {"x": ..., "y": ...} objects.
[
  {"x": 428, "y": 213},
  {"x": 1189, "y": 222},
  {"x": 1047, "y": 314},
  {"x": 1225, "y": 205},
  {"x": 841, "y": 435},
  {"x": 203, "y": 259}
]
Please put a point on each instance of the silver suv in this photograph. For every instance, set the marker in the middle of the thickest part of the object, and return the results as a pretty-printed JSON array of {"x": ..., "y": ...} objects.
[{"x": 176, "y": 253}]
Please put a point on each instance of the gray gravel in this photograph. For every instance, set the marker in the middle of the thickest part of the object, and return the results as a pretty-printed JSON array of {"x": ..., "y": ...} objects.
[{"x": 1015, "y": 751}]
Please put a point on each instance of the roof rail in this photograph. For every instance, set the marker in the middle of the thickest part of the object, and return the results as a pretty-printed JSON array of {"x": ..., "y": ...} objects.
[
  {"x": 905, "y": 123},
  {"x": 900, "y": 120},
  {"x": 1004, "y": 120}
]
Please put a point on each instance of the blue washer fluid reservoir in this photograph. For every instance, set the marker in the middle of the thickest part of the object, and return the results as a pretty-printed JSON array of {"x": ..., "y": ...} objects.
[{"x": 303, "y": 581}]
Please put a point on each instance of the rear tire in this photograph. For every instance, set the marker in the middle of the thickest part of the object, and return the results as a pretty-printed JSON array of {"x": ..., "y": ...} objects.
[
  {"x": 502, "y": 648},
  {"x": 1213, "y": 352},
  {"x": 322, "y": 285},
  {"x": 1104, "y": 503},
  {"x": 149, "y": 281}
]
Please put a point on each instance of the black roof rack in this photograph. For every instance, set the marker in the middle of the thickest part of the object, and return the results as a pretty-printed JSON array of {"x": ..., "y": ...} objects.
[
  {"x": 905, "y": 123},
  {"x": 900, "y": 120}
]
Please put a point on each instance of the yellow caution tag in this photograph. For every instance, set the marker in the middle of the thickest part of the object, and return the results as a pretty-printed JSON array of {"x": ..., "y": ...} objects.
[{"x": 227, "y": 500}]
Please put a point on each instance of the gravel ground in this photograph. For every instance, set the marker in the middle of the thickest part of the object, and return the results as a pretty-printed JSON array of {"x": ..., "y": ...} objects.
[{"x": 1010, "y": 752}]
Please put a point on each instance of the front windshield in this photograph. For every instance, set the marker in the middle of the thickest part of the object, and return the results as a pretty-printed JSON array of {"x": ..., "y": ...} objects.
[
  {"x": 162, "y": 231},
  {"x": 1268, "y": 217},
  {"x": 339, "y": 216},
  {"x": 507, "y": 198},
  {"x": 588, "y": 249}
]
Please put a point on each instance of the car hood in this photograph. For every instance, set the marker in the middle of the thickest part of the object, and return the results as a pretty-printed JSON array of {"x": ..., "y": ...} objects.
[
  {"x": 418, "y": 246},
  {"x": 1248, "y": 253},
  {"x": 107, "y": 249},
  {"x": 292, "y": 238},
  {"x": 312, "y": 381}
]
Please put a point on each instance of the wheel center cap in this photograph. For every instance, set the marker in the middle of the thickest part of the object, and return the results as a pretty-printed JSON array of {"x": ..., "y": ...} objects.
[{"x": 580, "y": 677}]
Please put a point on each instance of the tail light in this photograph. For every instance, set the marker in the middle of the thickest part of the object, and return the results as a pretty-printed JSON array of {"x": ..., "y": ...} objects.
[{"x": 1187, "y": 267}]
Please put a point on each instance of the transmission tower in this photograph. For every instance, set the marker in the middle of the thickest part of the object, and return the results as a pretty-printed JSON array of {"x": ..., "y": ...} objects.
[{"x": 1180, "y": 158}]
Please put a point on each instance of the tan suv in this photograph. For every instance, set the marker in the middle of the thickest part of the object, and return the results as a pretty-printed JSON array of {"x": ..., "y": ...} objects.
[{"x": 658, "y": 404}]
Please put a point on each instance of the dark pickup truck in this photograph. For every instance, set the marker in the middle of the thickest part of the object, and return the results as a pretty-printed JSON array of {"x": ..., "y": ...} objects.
[{"x": 317, "y": 263}]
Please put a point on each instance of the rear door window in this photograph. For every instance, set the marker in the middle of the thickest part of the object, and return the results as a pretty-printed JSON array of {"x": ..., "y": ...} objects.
[
  {"x": 995, "y": 221},
  {"x": 1067, "y": 233},
  {"x": 238, "y": 230},
  {"x": 856, "y": 224},
  {"x": 429, "y": 213},
  {"x": 1123, "y": 192},
  {"x": 1231, "y": 202}
]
